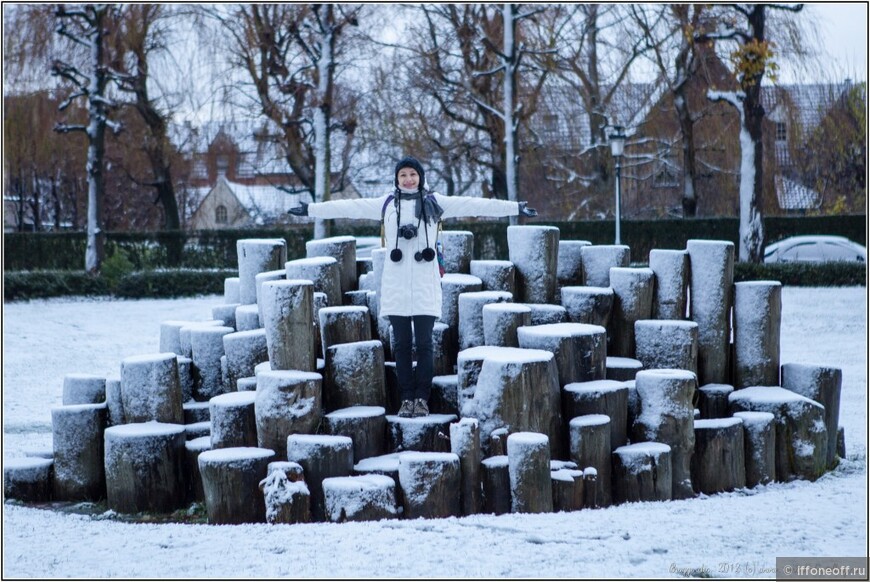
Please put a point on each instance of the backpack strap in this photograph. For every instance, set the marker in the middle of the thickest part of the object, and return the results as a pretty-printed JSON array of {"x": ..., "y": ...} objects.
[{"x": 389, "y": 199}]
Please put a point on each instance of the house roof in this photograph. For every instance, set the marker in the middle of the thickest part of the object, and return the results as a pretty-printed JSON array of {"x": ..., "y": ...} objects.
[
  {"x": 806, "y": 103},
  {"x": 792, "y": 195}
]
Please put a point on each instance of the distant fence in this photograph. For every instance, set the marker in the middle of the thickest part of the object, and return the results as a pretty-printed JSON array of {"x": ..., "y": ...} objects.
[{"x": 217, "y": 248}]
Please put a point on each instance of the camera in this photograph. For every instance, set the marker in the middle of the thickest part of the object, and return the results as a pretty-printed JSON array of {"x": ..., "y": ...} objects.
[{"x": 408, "y": 231}]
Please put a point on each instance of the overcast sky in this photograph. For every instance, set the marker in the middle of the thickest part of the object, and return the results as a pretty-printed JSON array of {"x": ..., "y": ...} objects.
[{"x": 843, "y": 32}]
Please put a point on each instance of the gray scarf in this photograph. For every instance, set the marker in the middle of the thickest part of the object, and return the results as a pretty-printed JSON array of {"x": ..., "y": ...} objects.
[{"x": 427, "y": 208}]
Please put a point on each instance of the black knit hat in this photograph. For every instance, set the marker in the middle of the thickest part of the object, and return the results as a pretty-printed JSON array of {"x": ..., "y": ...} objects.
[{"x": 410, "y": 162}]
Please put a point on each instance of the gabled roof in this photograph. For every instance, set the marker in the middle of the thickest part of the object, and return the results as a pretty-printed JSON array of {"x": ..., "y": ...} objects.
[
  {"x": 809, "y": 103},
  {"x": 792, "y": 195}
]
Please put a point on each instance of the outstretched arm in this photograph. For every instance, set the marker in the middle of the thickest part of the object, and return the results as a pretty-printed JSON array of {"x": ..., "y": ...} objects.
[
  {"x": 455, "y": 206},
  {"x": 362, "y": 208}
]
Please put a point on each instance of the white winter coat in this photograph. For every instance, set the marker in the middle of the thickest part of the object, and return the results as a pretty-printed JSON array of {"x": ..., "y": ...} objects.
[{"x": 410, "y": 287}]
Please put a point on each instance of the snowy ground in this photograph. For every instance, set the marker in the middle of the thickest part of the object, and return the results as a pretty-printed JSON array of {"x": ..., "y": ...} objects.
[{"x": 731, "y": 535}]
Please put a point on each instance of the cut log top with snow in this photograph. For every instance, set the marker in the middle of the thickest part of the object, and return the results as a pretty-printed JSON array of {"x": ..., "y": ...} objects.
[
  {"x": 27, "y": 466},
  {"x": 502, "y": 354},
  {"x": 769, "y": 395},
  {"x": 717, "y": 423},
  {"x": 623, "y": 363},
  {"x": 350, "y": 309},
  {"x": 358, "y": 483},
  {"x": 496, "y": 461},
  {"x": 485, "y": 296},
  {"x": 265, "y": 242},
  {"x": 148, "y": 358},
  {"x": 234, "y": 399},
  {"x": 666, "y": 324},
  {"x": 642, "y": 449},
  {"x": 279, "y": 376},
  {"x": 595, "y": 387},
  {"x": 311, "y": 262},
  {"x": 527, "y": 439},
  {"x": 561, "y": 330},
  {"x": 665, "y": 374},
  {"x": 145, "y": 429},
  {"x": 717, "y": 388},
  {"x": 432, "y": 419},
  {"x": 414, "y": 457},
  {"x": 460, "y": 279},
  {"x": 315, "y": 441},
  {"x": 357, "y": 412},
  {"x": 589, "y": 420},
  {"x": 73, "y": 409},
  {"x": 234, "y": 454},
  {"x": 508, "y": 307},
  {"x": 330, "y": 240},
  {"x": 198, "y": 444},
  {"x": 382, "y": 464}
]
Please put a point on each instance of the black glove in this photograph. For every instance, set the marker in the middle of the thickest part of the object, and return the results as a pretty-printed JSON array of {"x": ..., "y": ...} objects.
[
  {"x": 299, "y": 210},
  {"x": 525, "y": 211}
]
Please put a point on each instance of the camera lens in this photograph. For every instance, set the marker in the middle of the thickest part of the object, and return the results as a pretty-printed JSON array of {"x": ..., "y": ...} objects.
[
  {"x": 396, "y": 255},
  {"x": 408, "y": 231},
  {"x": 428, "y": 254}
]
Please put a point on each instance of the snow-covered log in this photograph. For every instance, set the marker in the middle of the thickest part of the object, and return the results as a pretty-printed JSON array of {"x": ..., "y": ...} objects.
[
  {"x": 322, "y": 271},
  {"x": 359, "y": 498},
  {"x": 197, "y": 430},
  {"x": 445, "y": 348},
  {"x": 495, "y": 275},
  {"x": 591, "y": 305},
  {"x": 718, "y": 463},
  {"x": 260, "y": 280},
  {"x": 186, "y": 373},
  {"x": 713, "y": 400},
  {"x": 145, "y": 467},
  {"x": 364, "y": 425},
  {"x": 233, "y": 421},
  {"x": 622, "y": 369},
  {"x": 667, "y": 416},
  {"x": 642, "y": 472},
  {"x": 231, "y": 290},
  {"x": 822, "y": 384},
  {"x": 286, "y": 494},
  {"x": 759, "y": 447},
  {"x": 27, "y": 479},
  {"x": 247, "y": 317},
  {"x": 424, "y": 433},
  {"x": 458, "y": 249},
  {"x": 231, "y": 484},
  {"x": 597, "y": 261},
  {"x": 580, "y": 350},
  {"x": 430, "y": 484},
  {"x": 589, "y": 443},
  {"x": 354, "y": 375},
  {"x": 288, "y": 318},
  {"x": 83, "y": 389},
  {"x": 568, "y": 486},
  {"x": 470, "y": 306},
  {"x": 711, "y": 268},
  {"x": 287, "y": 402},
  {"x": 569, "y": 263},
  {"x": 343, "y": 250},
  {"x": 534, "y": 251},
  {"x": 632, "y": 301},
  {"x": 667, "y": 343},
  {"x": 175, "y": 335},
  {"x": 341, "y": 325},
  {"x": 77, "y": 437},
  {"x": 257, "y": 256},
  {"x": 321, "y": 457},
  {"x": 114, "y": 404},
  {"x": 207, "y": 349},
  {"x": 244, "y": 350},
  {"x": 545, "y": 313},
  {"x": 670, "y": 297},
  {"x": 496, "y": 483},
  {"x": 444, "y": 398},
  {"x": 465, "y": 443},
  {"x": 757, "y": 320},
  {"x": 500, "y": 323},
  {"x": 196, "y": 411},
  {"x": 606, "y": 397},
  {"x": 150, "y": 389},
  {"x": 192, "y": 450},
  {"x": 226, "y": 313},
  {"x": 452, "y": 286},
  {"x": 529, "y": 468}
]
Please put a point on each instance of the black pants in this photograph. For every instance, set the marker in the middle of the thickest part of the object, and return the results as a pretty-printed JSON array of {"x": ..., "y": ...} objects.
[{"x": 409, "y": 389}]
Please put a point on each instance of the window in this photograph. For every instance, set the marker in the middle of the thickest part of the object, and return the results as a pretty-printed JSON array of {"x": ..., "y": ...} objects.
[
  {"x": 781, "y": 131},
  {"x": 220, "y": 214},
  {"x": 223, "y": 164}
]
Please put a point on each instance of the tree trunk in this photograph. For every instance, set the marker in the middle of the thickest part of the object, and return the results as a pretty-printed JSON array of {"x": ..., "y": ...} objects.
[{"x": 231, "y": 484}]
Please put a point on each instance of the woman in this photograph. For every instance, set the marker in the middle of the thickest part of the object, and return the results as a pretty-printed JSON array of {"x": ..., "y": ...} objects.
[{"x": 410, "y": 290}]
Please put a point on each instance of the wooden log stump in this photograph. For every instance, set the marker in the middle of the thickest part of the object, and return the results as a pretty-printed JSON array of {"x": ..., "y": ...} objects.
[
  {"x": 711, "y": 280},
  {"x": 430, "y": 484},
  {"x": 534, "y": 251},
  {"x": 642, "y": 472},
  {"x": 633, "y": 407},
  {"x": 391, "y": 386},
  {"x": 226, "y": 314},
  {"x": 231, "y": 484},
  {"x": 822, "y": 384},
  {"x": 590, "y": 305},
  {"x": 259, "y": 281},
  {"x": 713, "y": 400},
  {"x": 184, "y": 334},
  {"x": 77, "y": 437},
  {"x": 718, "y": 463},
  {"x": 196, "y": 412},
  {"x": 424, "y": 434},
  {"x": 150, "y": 389},
  {"x": 387, "y": 465},
  {"x": 248, "y": 384},
  {"x": 186, "y": 372},
  {"x": 341, "y": 325},
  {"x": 247, "y": 317},
  {"x": 495, "y": 275},
  {"x": 606, "y": 397},
  {"x": 359, "y": 498},
  {"x": 207, "y": 349},
  {"x": 84, "y": 389},
  {"x": 257, "y": 255},
  {"x": 192, "y": 449},
  {"x": 669, "y": 344},
  {"x": 841, "y": 443},
  {"x": 670, "y": 297},
  {"x": 529, "y": 467},
  {"x": 667, "y": 416},
  {"x": 568, "y": 486},
  {"x": 496, "y": 484},
  {"x": 287, "y": 402},
  {"x": 321, "y": 457},
  {"x": 597, "y": 261},
  {"x": 470, "y": 305},
  {"x": 569, "y": 263},
  {"x": 546, "y": 314},
  {"x": 579, "y": 350},
  {"x": 233, "y": 421},
  {"x": 320, "y": 302},
  {"x": 632, "y": 302},
  {"x": 343, "y": 250},
  {"x": 468, "y": 365},
  {"x": 445, "y": 347},
  {"x": 500, "y": 323},
  {"x": 286, "y": 494},
  {"x": 324, "y": 272},
  {"x": 517, "y": 389},
  {"x": 364, "y": 425},
  {"x": 288, "y": 318},
  {"x": 197, "y": 430},
  {"x": 145, "y": 467},
  {"x": 114, "y": 403},
  {"x": 354, "y": 375},
  {"x": 465, "y": 443},
  {"x": 801, "y": 434},
  {"x": 444, "y": 398},
  {"x": 458, "y": 249},
  {"x": 622, "y": 369},
  {"x": 498, "y": 441},
  {"x": 452, "y": 286},
  {"x": 170, "y": 340},
  {"x": 28, "y": 479},
  {"x": 589, "y": 443},
  {"x": 231, "y": 290},
  {"x": 759, "y": 442},
  {"x": 757, "y": 320},
  {"x": 244, "y": 350}
]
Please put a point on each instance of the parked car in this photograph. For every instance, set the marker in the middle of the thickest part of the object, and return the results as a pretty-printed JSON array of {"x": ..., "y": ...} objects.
[{"x": 814, "y": 249}]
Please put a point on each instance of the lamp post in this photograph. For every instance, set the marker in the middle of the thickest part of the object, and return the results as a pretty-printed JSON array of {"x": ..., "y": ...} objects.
[{"x": 617, "y": 144}]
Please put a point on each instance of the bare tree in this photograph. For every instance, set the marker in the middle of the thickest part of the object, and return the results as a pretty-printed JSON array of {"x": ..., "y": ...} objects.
[{"x": 752, "y": 58}]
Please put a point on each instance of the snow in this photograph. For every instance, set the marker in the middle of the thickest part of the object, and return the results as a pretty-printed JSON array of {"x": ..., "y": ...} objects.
[{"x": 637, "y": 540}]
